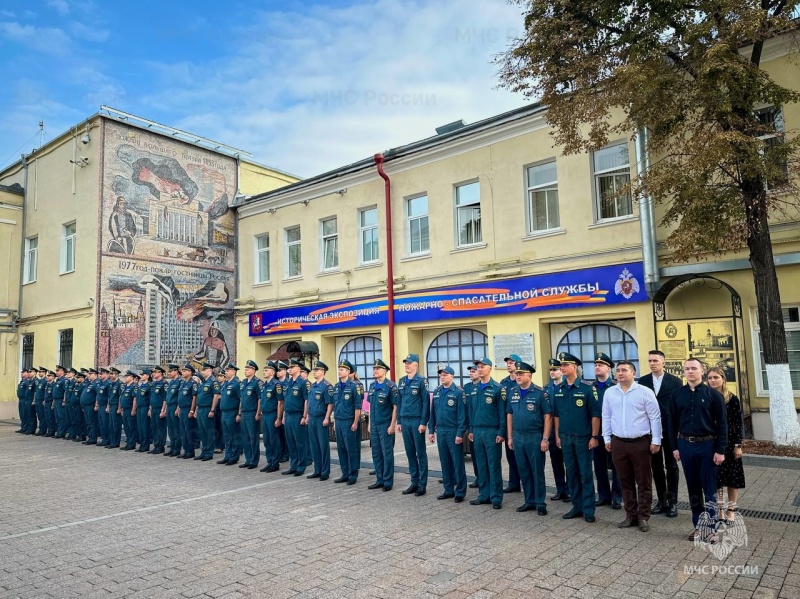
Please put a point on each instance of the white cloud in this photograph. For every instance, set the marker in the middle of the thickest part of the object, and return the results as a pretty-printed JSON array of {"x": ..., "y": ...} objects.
[
  {"x": 48, "y": 40},
  {"x": 83, "y": 32},
  {"x": 60, "y": 6}
]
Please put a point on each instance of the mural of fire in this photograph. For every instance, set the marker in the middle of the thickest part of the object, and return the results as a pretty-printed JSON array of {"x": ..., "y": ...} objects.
[{"x": 167, "y": 252}]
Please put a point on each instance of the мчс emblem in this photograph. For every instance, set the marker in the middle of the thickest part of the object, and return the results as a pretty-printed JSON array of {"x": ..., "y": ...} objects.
[{"x": 626, "y": 284}]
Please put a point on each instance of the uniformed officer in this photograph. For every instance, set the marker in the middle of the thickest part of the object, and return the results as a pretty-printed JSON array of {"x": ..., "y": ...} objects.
[
  {"x": 469, "y": 389},
  {"x": 413, "y": 413},
  {"x": 127, "y": 400},
  {"x": 59, "y": 405},
  {"x": 23, "y": 409},
  {"x": 508, "y": 382},
  {"x": 219, "y": 440},
  {"x": 89, "y": 406},
  {"x": 248, "y": 408},
  {"x": 158, "y": 418},
  {"x": 270, "y": 414},
  {"x": 113, "y": 409},
  {"x": 30, "y": 403},
  {"x": 577, "y": 419},
  {"x": 383, "y": 397},
  {"x": 487, "y": 418},
  {"x": 170, "y": 410},
  {"x": 556, "y": 455},
  {"x": 347, "y": 399},
  {"x": 529, "y": 420},
  {"x": 79, "y": 421},
  {"x": 141, "y": 409},
  {"x": 229, "y": 404},
  {"x": 186, "y": 399},
  {"x": 283, "y": 378},
  {"x": 204, "y": 408},
  {"x": 447, "y": 426},
  {"x": 48, "y": 404},
  {"x": 41, "y": 387},
  {"x": 608, "y": 494},
  {"x": 69, "y": 391},
  {"x": 295, "y": 420},
  {"x": 320, "y": 407},
  {"x": 103, "y": 383}
]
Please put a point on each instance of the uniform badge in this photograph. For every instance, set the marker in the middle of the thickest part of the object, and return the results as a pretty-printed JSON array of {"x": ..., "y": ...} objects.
[
  {"x": 531, "y": 407},
  {"x": 249, "y": 391},
  {"x": 229, "y": 391},
  {"x": 414, "y": 391},
  {"x": 488, "y": 399},
  {"x": 450, "y": 402},
  {"x": 579, "y": 403},
  {"x": 158, "y": 390},
  {"x": 381, "y": 399},
  {"x": 318, "y": 396},
  {"x": 205, "y": 388},
  {"x": 347, "y": 397},
  {"x": 294, "y": 392}
]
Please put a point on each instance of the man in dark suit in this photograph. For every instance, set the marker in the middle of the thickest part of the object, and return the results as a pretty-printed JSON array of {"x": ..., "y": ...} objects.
[{"x": 665, "y": 468}]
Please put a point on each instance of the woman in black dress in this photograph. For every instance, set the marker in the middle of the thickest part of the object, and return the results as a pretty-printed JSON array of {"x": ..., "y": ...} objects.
[{"x": 730, "y": 473}]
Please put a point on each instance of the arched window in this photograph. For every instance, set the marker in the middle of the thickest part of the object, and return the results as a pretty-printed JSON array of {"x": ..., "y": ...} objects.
[
  {"x": 362, "y": 353},
  {"x": 585, "y": 341},
  {"x": 458, "y": 349}
]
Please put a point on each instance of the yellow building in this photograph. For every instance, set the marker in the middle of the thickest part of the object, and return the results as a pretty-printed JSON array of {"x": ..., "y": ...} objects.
[{"x": 126, "y": 245}]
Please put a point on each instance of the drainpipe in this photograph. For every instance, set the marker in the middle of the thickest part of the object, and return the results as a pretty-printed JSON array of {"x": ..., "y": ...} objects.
[
  {"x": 24, "y": 230},
  {"x": 389, "y": 260},
  {"x": 647, "y": 219}
]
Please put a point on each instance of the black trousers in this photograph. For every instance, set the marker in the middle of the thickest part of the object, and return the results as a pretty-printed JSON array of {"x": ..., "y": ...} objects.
[{"x": 665, "y": 473}]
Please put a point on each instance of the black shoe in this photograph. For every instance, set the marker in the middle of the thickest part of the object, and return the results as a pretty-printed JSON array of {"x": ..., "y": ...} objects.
[
  {"x": 459, "y": 499},
  {"x": 589, "y": 519},
  {"x": 473, "y": 485},
  {"x": 411, "y": 490},
  {"x": 385, "y": 488},
  {"x": 541, "y": 510},
  {"x": 479, "y": 502},
  {"x": 440, "y": 481},
  {"x": 266, "y": 469},
  {"x": 526, "y": 508},
  {"x": 244, "y": 465},
  {"x": 659, "y": 507},
  {"x": 199, "y": 457},
  {"x": 672, "y": 511},
  {"x": 573, "y": 513},
  {"x": 352, "y": 481},
  {"x": 616, "y": 504},
  {"x": 323, "y": 478},
  {"x": 510, "y": 489},
  {"x": 251, "y": 466},
  {"x": 315, "y": 475},
  {"x": 372, "y": 473},
  {"x": 159, "y": 452},
  {"x": 445, "y": 496},
  {"x": 375, "y": 486},
  {"x": 602, "y": 502},
  {"x": 232, "y": 463},
  {"x": 282, "y": 460},
  {"x": 222, "y": 461},
  {"x": 188, "y": 456},
  {"x": 207, "y": 458},
  {"x": 288, "y": 472},
  {"x": 341, "y": 479},
  {"x": 566, "y": 498},
  {"x": 559, "y": 496},
  {"x": 300, "y": 473},
  {"x": 151, "y": 451},
  {"x": 497, "y": 506},
  {"x": 420, "y": 492},
  {"x": 274, "y": 468}
]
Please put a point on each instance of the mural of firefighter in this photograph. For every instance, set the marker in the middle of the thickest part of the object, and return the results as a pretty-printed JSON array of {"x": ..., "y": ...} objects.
[{"x": 166, "y": 252}]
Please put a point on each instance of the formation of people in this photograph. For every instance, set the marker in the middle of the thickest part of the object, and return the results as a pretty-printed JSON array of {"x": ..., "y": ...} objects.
[{"x": 613, "y": 435}]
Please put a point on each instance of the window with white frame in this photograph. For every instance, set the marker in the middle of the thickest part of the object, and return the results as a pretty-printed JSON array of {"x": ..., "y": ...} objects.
[
  {"x": 329, "y": 238},
  {"x": 31, "y": 259},
  {"x": 293, "y": 253},
  {"x": 791, "y": 322},
  {"x": 542, "y": 182},
  {"x": 368, "y": 235},
  {"x": 612, "y": 177},
  {"x": 771, "y": 118},
  {"x": 418, "y": 240},
  {"x": 68, "y": 248},
  {"x": 468, "y": 214},
  {"x": 262, "y": 274}
]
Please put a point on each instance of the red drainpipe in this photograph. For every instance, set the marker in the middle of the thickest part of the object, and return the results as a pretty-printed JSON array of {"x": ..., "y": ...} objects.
[{"x": 389, "y": 260}]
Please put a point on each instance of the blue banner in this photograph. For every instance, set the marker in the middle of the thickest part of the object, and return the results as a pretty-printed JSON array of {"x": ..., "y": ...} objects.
[{"x": 618, "y": 284}]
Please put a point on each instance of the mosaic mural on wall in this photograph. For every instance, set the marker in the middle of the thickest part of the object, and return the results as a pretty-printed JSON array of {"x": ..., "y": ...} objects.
[{"x": 167, "y": 252}]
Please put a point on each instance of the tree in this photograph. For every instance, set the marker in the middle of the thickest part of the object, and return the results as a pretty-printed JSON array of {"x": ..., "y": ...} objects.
[{"x": 690, "y": 72}]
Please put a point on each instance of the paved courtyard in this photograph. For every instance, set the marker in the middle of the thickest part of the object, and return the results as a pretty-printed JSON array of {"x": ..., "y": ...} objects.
[{"x": 88, "y": 522}]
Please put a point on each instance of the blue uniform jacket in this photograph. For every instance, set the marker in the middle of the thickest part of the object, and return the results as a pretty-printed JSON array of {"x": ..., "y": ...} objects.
[
  {"x": 173, "y": 390},
  {"x": 414, "y": 408},
  {"x": 382, "y": 400},
  {"x": 487, "y": 407},
  {"x": 347, "y": 398},
  {"x": 449, "y": 410},
  {"x": 295, "y": 395},
  {"x": 89, "y": 393},
  {"x": 319, "y": 398},
  {"x": 188, "y": 390},
  {"x": 271, "y": 392},
  {"x": 229, "y": 391},
  {"x": 575, "y": 405},
  {"x": 206, "y": 390},
  {"x": 528, "y": 408},
  {"x": 249, "y": 392}
]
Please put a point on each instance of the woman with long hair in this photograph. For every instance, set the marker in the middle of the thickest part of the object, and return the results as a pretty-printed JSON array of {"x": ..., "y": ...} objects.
[{"x": 730, "y": 473}]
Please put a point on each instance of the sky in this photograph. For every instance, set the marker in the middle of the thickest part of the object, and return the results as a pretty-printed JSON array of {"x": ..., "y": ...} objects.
[{"x": 305, "y": 87}]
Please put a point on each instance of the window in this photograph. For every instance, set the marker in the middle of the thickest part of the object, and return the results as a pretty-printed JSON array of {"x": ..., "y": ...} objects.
[
  {"x": 293, "y": 253},
  {"x": 612, "y": 175},
  {"x": 31, "y": 259},
  {"x": 362, "y": 353},
  {"x": 585, "y": 341},
  {"x": 417, "y": 225},
  {"x": 542, "y": 198},
  {"x": 791, "y": 322},
  {"x": 468, "y": 214},
  {"x": 68, "y": 248},
  {"x": 330, "y": 244},
  {"x": 65, "y": 348},
  {"x": 771, "y": 119},
  {"x": 368, "y": 235},
  {"x": 27, "y": 350},
  {"x": 262, "y": 258},
  {"x": 457, "y": 348}
]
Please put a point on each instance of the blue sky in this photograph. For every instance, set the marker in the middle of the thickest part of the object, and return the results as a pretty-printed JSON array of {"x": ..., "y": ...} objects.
[{"x": 304, "y": 86}]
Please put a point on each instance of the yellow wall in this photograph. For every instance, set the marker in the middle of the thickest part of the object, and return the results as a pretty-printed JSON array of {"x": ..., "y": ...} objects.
[
  {"x": 10, "y": 253},
  {"x": 256, "y": 178}
]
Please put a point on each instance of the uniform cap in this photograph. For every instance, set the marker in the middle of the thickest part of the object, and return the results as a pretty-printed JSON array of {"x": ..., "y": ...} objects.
[
  {"x": 554, "y": 364},
  {"x": 320, "y": 366},
  {"x": 92, "y": 371},
  {"x": 104, "y": 371},
  {"x": 231, "y": 366},
  {"x": 524, "y": 367},
  {"x": 472, "y": 367},
  {"x": 380, "y": 364},
  {"x": 272, "y": 364},
  {"x": 50, "y": 373},
  {"x": 174, "y": 367},
  {"x": 602, "y": 358},
  {"x": 80, "y": 374},
  {"x": 131, "y": 373},
  {"x": 115, "y": 370},
  {"x": 411, "y": 358},
  {"x": 347, "y": 364},
  {"x": 60, "y": 367},
  {"x": 251, "y": 364},
  {"x": 484, "y": 360},
  {"x": 42, "y": 369},
  {"x": 512, "y": 358},
  {"x": 186, "y": 366},
  {"x": 304, "y": 368},
  {"x": 206, "y": 365},
  {"x": 281, "y": 365},
  {"x": 447, "y": 370},
  {"x": 147, "y": 371},
  {"x": 73, "y": 371},
  {"x": 567, "y": 358}
]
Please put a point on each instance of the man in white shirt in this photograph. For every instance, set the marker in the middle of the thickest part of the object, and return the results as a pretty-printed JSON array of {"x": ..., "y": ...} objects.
[{"x": 632, "y": 433}]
